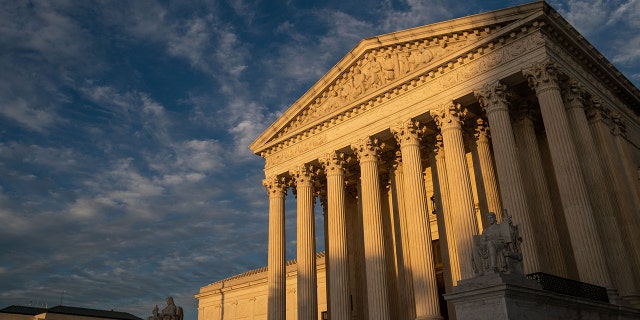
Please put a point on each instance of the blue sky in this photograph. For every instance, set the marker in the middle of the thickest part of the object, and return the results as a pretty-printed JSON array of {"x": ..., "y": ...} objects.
[{"x": 125, "y": 173}]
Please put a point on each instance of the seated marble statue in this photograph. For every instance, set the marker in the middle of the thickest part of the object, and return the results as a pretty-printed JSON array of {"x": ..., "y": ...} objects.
[
  {"x": 170, "y": 312},
  {"x": 498, "y": 248}
]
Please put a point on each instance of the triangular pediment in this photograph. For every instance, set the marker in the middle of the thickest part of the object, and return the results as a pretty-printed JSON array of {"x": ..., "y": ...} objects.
[{"x": 381, "y": 63}]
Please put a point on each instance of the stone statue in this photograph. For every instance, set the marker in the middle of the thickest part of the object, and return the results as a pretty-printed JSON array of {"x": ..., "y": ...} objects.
[
  {"x": 498, "y": 248},
  {"x": 170, "y": 312}
]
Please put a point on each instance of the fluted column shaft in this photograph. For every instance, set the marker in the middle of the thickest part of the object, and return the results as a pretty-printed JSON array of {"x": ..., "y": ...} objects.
[
  {"x": 405, "y": 277},
  {"x": 445, "y": 209},
  {"x": 610, "y": 232},
  {"x": 367, "y": 150},
  {"x": 493, "y": 99},
  {"x": 306, "y": 241},
  {"x": 547, "y": 233},
  {"x": 337, "y": 258},
  {"x": 619, "y": 131},
  {"x": 586, "y": 246},
  {"x": 486, "y": 167},
  {"x": 449, "y": 119},
  {"x": 425, "y": 287},
  {"x": 615, "y": 180},
  {"x": 276, "y": 275}
]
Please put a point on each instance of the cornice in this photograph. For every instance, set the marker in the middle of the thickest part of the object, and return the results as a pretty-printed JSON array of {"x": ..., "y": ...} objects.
[{"x": 601, "y": 72}]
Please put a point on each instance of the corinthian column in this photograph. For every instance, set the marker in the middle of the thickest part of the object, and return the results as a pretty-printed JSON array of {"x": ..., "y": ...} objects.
[
  {"x": 425, "y": 288},
  {"x": 614, "y": 176},
  {"x": 610, "y": 232},
  {"x": 493, "y": 99},
  {"x": 587, "y": 248},
  {"x": 619, "y": 131},
  {"x": 337, "y": 259},
  {"x": 449, "y": 119},
  {"x": 277, "y": 189},
  {"x": 306, "y": 240},
  {"x": 445, "y": 221},
  {"x": 544, "y": 223},
  {"x": 367, "y": 150},
  {"x": 405, "y": 282},
  {"x": 486, "y": 166}
]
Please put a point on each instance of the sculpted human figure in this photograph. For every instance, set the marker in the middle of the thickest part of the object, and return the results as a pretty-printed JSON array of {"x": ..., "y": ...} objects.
[
  {"x": 490, "y": 248},
  {"x": 170, "y": 312},
  {"x": 373, "y": 79},
  {"x": 497, "y": 249},
  {"x": 170, "y": 309},
  {"x": 389, "y": 68},
  {"x": 358, "y": 83}
]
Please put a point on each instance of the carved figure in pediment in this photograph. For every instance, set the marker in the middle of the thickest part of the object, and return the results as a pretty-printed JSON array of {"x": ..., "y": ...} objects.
[
  {"x": 410, "y": 62},
  {"x": 423, "y": 57},
  {"x": 403, "y": 62},
  {"x": 498, "y": 248},
  {"x": 358, "y": 83},
  {"x": 345, "y": 90},
  {"x": 388, "y": 66},
  {"x": 373, "y": 76},
  {"x": 332, "y": 101}
]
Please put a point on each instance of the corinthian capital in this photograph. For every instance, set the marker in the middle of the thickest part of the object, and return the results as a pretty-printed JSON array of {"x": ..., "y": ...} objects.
[
  {"x": 493, "y": 96},
  {"x": 304, "y": 175},
  {"x": 436, "y": 145},
  {"x": 481, "y": 130},
  {"x": 276, "y": 186},
  {"x": 573, "y": 94},
  {"x": 449, "y": 115},
  {"x": 408, "y": 132},
  {"x": 333, "y": 162},
  {"x": 597, "y": 111},
  {"x": 618, "y": 127},
  {"x": 542, "y": 75},
  {"x": 367, "y": 149}
]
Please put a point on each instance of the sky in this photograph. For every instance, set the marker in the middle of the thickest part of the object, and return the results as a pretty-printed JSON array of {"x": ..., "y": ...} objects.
[{"x": 125, "y": 173}]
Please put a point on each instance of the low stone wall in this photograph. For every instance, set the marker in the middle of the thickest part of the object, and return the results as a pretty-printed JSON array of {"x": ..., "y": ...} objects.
[{"x": 503, "y": 297}]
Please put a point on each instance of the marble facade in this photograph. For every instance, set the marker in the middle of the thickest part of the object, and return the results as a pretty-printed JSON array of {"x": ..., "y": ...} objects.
[{"x": 511, "y": 109}]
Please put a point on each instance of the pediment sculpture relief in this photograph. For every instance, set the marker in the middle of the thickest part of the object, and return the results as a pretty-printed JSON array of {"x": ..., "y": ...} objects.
[
  {"x": 376, "y": 69},
  {"x": 497, "y": 250}
]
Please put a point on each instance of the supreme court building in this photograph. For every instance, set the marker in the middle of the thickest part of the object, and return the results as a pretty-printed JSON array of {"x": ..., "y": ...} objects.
[{"x": 413, "y": 137}]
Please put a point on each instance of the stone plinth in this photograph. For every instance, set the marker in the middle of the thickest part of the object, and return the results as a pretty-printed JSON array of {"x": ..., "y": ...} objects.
[{"x": 505, "y": 297}]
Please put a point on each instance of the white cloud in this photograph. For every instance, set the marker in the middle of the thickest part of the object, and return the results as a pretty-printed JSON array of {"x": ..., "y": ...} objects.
[{"x": 20, "y": 110}]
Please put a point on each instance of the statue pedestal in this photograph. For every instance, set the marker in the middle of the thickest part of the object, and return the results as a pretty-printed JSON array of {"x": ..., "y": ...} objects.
[{"x": 509, "y": 296}]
